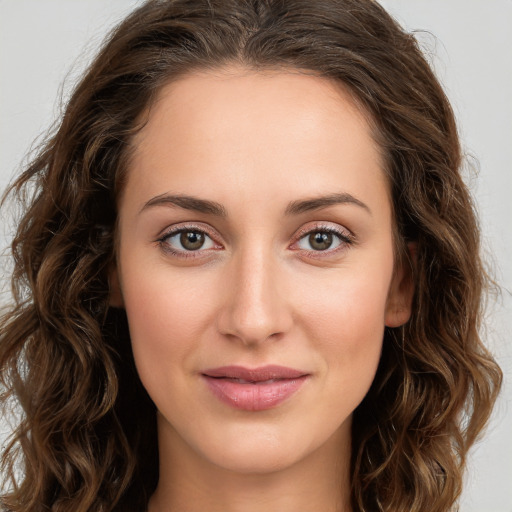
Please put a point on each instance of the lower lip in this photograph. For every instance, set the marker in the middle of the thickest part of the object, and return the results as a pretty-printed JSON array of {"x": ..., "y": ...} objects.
[{"x": 254, "y": 397}]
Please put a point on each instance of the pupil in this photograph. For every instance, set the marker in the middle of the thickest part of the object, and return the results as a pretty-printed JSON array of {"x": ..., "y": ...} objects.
[
  {"x": 320, "y": 241},
  {"x": 191, "y": 240}
]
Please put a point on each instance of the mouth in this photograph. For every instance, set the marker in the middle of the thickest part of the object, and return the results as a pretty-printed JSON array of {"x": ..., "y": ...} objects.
[{"x": 255, "y": 389}]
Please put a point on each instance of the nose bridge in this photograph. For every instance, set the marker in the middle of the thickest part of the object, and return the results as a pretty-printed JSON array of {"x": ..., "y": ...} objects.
[{"x": 255, "y": 308}]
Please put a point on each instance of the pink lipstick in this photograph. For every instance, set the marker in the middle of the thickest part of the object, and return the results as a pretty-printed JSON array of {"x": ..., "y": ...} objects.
[{"x": 255, "y": 389}]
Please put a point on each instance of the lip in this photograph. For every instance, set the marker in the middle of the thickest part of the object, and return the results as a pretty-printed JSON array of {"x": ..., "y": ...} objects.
[{"x": 254, "y": 389}]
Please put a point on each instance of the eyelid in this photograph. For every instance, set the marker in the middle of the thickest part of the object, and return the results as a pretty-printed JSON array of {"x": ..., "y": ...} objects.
[
  {"x": 344, "y": 233},
  {"x": 177, "y": 228}
]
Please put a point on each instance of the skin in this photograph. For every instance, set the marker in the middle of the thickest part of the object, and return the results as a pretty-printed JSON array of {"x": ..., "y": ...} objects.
[{"x": 257, "y": 292}]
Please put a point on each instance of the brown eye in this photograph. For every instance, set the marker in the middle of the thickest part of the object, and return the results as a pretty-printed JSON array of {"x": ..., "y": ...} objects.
[
  {"x": 320, "y": 240},
  {"x": 326, "y": 240},
  {"x": 179, "y": 242},
  {"x": 191, "y": 240}
]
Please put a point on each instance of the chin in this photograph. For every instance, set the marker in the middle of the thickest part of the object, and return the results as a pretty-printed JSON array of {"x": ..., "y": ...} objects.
[
  {"x": 260, "y": 448},
  {"x": 256, "y": 460}
]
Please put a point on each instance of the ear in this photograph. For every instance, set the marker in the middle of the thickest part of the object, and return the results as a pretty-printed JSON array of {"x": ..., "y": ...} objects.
[
  {"x": 115, "y": 293},
  {"x": 401, "y": 291}
]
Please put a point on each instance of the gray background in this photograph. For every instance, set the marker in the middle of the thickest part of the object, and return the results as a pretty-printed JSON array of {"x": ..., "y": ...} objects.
[{"x": 44, "y": 45}]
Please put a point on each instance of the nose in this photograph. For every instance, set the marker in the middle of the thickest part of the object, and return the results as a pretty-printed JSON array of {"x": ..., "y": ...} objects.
[{"x": 255, "y": 308}]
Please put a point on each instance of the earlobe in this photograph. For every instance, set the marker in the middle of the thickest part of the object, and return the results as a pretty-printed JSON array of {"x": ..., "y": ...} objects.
[
  {"x": 401, "y": 291},
  {"x": 115, "y": 293}
]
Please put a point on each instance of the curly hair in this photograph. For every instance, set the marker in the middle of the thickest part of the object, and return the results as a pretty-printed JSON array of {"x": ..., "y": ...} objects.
[{"x": 65, "y": 355}]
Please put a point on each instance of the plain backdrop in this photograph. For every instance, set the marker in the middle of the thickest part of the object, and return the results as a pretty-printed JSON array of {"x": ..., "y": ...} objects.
[{"x": 44, "y": 45}]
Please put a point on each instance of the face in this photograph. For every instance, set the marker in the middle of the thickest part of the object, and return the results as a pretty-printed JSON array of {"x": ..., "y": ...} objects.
[{"x": 256, "y": 265}]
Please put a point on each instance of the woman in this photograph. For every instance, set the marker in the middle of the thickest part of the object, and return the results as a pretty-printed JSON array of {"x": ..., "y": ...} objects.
[{"x": 249, "y": 274}]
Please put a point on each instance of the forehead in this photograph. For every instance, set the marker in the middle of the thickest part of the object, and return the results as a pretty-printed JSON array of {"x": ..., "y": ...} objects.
[
  {"x": 221, "y": 98},
  {"x": 246, "y": 132}
]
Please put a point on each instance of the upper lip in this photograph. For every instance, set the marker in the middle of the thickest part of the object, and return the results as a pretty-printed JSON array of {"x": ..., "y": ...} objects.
[{"x": 262, "y": 373}]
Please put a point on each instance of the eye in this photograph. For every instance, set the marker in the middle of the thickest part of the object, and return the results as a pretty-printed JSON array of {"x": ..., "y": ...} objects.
[
  {"x": 185, "y": 241},
  {"x": 324, "y": 239},
  {"x": 319, "y": 241}
]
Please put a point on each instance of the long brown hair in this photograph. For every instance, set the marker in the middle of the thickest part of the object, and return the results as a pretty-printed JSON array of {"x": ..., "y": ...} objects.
[{"x": 65, "y": 355}]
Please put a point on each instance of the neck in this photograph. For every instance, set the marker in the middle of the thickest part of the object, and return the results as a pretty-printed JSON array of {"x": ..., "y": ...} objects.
[{"x": 188, "y": 482}]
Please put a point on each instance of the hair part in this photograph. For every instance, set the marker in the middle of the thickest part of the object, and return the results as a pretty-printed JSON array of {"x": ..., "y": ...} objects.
[{"x": 65, "y": 355}]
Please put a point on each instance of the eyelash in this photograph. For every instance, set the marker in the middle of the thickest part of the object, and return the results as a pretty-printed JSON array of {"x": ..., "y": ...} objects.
[
  {"x": 346, "y": 239},
  {"x": 162, "y": 241}
]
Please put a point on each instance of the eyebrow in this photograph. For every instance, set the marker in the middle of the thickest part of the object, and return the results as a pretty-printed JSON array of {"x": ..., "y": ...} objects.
[
  {"x": 188, "y": 203},
  {"x": 298, "y": 207},
  {"x": 213, "y": 208}
]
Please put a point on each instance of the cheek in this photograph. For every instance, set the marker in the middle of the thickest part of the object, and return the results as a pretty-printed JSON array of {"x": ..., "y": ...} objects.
[
  {"x": 167, "y": 316},
  {"x": 346, "y": 324},
  {"x": 350, "y": 309}
]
